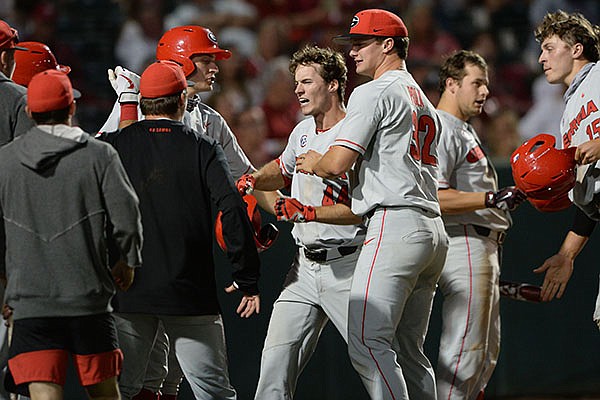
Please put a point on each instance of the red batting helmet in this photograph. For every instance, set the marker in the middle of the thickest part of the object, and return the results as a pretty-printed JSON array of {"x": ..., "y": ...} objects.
[
  {"x": 541, "y": 171},
  {"x": 37, "y": 57},
  {"x": 181, "y": 43},
  {"x": 552, "y": 205},
  {"x": 264, "y": 236}
]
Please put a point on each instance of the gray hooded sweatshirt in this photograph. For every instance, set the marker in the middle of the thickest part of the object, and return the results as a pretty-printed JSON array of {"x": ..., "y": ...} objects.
[{"x": 58, "y": 189}]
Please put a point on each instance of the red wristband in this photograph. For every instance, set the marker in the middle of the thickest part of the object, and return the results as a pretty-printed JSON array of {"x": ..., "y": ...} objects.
[{"x": 129, "y": 112}]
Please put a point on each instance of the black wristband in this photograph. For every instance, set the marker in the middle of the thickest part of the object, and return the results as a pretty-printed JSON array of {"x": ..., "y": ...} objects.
[{"x": 582, "y": 224}]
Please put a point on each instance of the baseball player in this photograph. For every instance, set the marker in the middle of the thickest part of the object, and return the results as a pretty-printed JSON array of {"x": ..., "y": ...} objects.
[
  {"x": 180, "y": 176},
  {"x": 14, "y": 121},
  {"x": 196, "y": 49},
  {"x": 317, "y": 286},
  {"x": 59, "y": 189},
  {"x": 476, "y": 217},
  {"x": 391, "y": 132},
  {"x": 570, "y": 48}
]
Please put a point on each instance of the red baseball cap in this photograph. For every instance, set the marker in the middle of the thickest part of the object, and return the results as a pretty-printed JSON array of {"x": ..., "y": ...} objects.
[
  {"x": 161, "y": 79},
  {"x": 374, "y": 22},
  {"x": 50, "y": 90},
  {"x": 8, "y": 37}
]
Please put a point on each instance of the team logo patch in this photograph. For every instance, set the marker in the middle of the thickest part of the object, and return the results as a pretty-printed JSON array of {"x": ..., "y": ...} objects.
[
  {"x": 475, "y": 154},
  {"x": 212, "y": 37},
  {"x": 303, "y": 140},
  {"x": 355, "y": 21}
]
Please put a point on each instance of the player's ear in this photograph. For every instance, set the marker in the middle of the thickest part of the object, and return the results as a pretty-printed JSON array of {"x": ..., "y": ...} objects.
[
  {"x": 577, "y": 50},
  {"x": 451, "y": 85},
  {"x": 333, "y": 86}
]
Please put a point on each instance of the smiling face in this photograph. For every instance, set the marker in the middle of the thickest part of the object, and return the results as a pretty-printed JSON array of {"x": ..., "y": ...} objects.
[
  {"x": 314, "y": 94},
  {"x": 368, "y": 55},
  {"x": 472, "y": 91},
  {"x": 205, "y": 74},
  {"x": 557, "y": 60}
]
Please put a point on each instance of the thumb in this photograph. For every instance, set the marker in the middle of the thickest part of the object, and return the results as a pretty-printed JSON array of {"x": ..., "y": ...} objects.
[
  {"x": 230, "y": 289},
  {"x": 111, "y": 74},
  {"x": 541, "y": 269}
]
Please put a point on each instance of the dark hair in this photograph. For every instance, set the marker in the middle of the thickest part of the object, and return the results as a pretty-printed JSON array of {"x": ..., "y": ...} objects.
[
  {"x": 333, "y": 66},
  {"x": 572, "y": 29},
  {"x": 454, "y": 66},
  {"x": 167, "y": 105},
  {"x": 400, "y": 44},
  {"x": 54, "y": 117}
]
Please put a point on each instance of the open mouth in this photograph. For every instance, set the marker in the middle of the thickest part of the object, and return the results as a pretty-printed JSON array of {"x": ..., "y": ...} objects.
[{"x": 303, "y": 101}]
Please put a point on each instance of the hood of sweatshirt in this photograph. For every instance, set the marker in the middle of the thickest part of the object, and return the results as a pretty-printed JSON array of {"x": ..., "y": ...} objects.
[{"x": 44, "y": 145}]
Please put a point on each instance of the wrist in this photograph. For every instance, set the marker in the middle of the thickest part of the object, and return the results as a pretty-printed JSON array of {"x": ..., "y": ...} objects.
[
  {"x": 129, "y": 97},
  {"x": 129, "y": 112}
]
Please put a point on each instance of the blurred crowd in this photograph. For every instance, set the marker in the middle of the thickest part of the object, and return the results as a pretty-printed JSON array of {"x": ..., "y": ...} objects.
[{"x": 255, "y": 88}]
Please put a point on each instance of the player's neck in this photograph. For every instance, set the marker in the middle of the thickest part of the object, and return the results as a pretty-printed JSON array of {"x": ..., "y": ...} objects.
[
  {"x": 389, "y": 64},
  {"x": 449, "y": 105},
  {"x": 331, "y": 117}
]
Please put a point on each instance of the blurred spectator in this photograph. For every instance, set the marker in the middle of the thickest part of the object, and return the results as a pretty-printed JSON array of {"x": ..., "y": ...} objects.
[
  {"x": 429, "y": 43},
  {"x": 250, "y": 128},
  {"x": 136, "y": 45},
  {"x": 502, "y": 137},
  {"x": 280, "y": 104},
  {"x": 545, "y": 113}
]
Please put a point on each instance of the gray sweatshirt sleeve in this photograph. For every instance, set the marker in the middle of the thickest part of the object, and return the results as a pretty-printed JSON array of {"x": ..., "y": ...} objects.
[{"x": 123, "y": 212}]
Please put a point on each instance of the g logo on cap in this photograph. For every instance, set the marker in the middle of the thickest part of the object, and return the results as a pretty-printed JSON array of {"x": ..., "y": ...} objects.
[{"x": 355, "y": 21}]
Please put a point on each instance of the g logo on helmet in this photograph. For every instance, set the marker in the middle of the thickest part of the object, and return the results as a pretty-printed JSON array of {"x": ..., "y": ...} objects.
[
  {"x": 212, "y": 37},
  {"x": 355, "y": 21}
]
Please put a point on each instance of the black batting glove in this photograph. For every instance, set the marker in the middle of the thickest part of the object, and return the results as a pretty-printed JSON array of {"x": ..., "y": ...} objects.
[{"x": 507, "y": 199}]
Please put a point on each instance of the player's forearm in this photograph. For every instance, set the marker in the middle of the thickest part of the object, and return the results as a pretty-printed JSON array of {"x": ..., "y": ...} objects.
[
  {"x": 335, "y": 162},
  {"x": 454, "y": 201},
  {"x": 337, "y": 214},
  {"x": 269, "y": 177},
  {"x": 572, "y": 245},
  {"x": 266, "y": 200}
]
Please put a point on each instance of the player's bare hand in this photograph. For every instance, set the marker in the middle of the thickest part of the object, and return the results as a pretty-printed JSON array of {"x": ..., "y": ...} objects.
[
  {"x": 588, "y": 152},
  {"x": 123, "y": 275},
  {"x": 559, "y": 269},
  {"x": 307, "y": 161},
  {"x": 7, "y": 311},
  {"x": 249, "y": 304}
]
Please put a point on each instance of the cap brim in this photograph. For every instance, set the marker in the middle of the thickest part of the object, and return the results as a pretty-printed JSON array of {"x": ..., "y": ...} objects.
[{"x": 348, "y": 37}]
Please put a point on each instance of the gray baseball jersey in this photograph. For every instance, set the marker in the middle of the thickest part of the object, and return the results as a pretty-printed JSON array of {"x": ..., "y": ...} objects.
[
  {"x": 315, "y": 191},
  {"x": 581, "y": 123},
  {"x": 464, "y": 166},
  {"x": 393, "y": 126},
  {"x": 470, "y": 339}
]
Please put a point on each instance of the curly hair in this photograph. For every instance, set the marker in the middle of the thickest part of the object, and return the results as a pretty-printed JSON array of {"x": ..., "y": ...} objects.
[
  {"x": 454, "y": 66},
  {"x": 333, "y": 67},
  {"x": 572, "y": 29}
]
